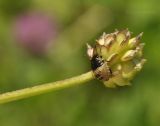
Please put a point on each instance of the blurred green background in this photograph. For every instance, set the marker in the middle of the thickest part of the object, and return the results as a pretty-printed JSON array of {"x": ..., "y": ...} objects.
[{"x": 76, "y": 23}]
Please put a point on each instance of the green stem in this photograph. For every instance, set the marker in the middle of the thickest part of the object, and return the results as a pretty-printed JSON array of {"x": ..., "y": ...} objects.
[{"x": 44, "y": 88}]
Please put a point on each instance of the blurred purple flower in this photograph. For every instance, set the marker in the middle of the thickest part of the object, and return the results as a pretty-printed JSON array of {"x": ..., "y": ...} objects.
[{"x": 34, "y": 31}]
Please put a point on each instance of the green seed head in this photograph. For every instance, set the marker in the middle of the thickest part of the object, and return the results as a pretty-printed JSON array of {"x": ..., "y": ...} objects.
[{"x": 116, "y": 57}]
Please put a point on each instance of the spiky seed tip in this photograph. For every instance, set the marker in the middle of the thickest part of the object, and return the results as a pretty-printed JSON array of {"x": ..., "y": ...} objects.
[{"x": 89, "y": 51}]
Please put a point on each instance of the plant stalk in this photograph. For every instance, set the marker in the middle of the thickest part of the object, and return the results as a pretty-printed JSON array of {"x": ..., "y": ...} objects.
[{"x": 44, "y": 88}]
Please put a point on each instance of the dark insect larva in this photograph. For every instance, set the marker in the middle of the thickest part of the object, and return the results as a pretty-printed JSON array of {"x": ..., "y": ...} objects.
[{"x": 100, "y": 68}]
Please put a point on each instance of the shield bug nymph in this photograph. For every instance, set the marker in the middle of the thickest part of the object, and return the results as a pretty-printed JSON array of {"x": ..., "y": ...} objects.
[{"x": 99, "y": 65}]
